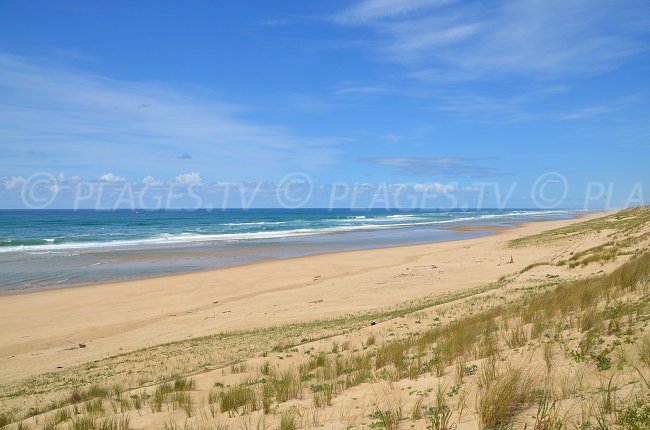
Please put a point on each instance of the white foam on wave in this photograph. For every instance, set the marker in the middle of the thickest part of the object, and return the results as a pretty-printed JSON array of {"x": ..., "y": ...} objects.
[
  {"x": 180, "y": 238},
  {"x": 163, "y": 238},
  {"x": 52, "y": 253},
  {"x": 234, "y": 224}
]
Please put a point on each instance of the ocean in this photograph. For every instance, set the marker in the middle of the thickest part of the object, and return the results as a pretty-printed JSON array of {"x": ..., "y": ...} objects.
[{"x": 60, "y": 248}]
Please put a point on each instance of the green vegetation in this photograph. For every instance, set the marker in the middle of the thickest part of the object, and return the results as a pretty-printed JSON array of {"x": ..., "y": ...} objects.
[
  {"x": 636, "y": 416},
  {"x": 175, "y": 393},
  {"x": 504, "y": 393},
  {"x": 202, "y": 354},
  {"x": 386, "y": 419},
  {"x": 626, "y": 222},
  {"x": 233, "y": 399},
  {"x": 478, "y": 348},
  {"x": 439, "y": 417},
  {"x": 504, "y": 389},
  {"x": 289, "y": 420}
]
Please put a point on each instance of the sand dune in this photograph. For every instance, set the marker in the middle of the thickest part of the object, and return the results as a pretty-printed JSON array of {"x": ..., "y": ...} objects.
[
  {"x": 350, "y": 339},
  {"x": 40, "y": 330}
]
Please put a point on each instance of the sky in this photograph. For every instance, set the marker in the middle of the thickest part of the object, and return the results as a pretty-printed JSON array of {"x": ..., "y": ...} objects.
[{"x": 423, "y": 102}]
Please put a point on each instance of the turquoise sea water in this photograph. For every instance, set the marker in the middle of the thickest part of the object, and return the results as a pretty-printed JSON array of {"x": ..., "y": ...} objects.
[{"x": 54, "y": 248}]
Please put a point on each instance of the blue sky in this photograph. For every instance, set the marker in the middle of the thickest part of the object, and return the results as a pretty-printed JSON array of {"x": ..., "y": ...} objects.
[{"x": 432, "y": 94}]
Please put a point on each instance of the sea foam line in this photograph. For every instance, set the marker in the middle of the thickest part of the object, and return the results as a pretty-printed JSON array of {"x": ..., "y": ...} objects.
[{"x": 167, "y": 238}]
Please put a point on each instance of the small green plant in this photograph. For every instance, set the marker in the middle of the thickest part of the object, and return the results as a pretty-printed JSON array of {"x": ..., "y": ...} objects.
[
  {"x": 589, "y": 342},
  {"x": 576, "y": 355},
  {"x": 323, "y": 394},
  {"x": 471, "y": 370},
  {"x": 388, "y": 419},
  {"x": 636, "y": 416},
  {"x": 603, "y": 362},
  {"x": 439, "y": 417},
  {"x": 453, "y": 390}
]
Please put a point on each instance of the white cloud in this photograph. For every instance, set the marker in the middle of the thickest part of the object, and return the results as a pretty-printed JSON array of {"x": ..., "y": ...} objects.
[
  {"x": 352, "y": 89},
  {"x": 600, "y": 109},
  {"x": 13, "y": 182},
  {"x": 189, "y": 178},
  {"x": 124, "y": 125},
  {"x": 436, "y": 166},
  {"x": 436, "y": 187},
  {"x": 450, "y": 52},
  {"x": 370, "y": 10},
  {"x": 111, "y": 178},
  {"x": 471, "y": 189},
  {"x": 527, "y": 38}
]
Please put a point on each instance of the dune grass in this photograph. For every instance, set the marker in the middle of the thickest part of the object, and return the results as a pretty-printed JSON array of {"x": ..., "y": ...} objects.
[
  {"x": 480, "y": 353},
  {"x": 504, "y": 390},
  {"x": 505, "y": 393},
  {"x": 624, "y": 222},
  {"x": 238, "y": 398},
  {"x": 196, "y": 355}
]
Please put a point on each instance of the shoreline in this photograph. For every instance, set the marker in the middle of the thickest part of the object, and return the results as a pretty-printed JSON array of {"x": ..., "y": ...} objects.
[
  {"x": 485, "y": 230},
  {"x": 472, "y": 232},
  {"x": 41, "y": 329}
]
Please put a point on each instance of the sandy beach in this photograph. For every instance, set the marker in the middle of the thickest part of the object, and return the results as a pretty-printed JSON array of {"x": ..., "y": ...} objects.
[
  {"x": 361, "y": 215},
  {"x": 349, "y": 339},
  {"x": 41, "y": 331}
]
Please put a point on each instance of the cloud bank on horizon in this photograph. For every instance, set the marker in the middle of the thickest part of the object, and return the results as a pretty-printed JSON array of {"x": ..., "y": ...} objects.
[{"x": 374, "y": 91}]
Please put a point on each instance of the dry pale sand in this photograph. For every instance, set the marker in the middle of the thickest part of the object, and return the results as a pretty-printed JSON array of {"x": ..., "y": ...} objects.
[{"x": 41, "y": 330}]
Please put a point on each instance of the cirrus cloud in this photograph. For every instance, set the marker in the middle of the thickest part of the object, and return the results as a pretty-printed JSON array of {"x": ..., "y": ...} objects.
[
  {"x": 120, "y": 124},
  {"x": 436, "y": 166},
  {"x": 492, "y": 39}
]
